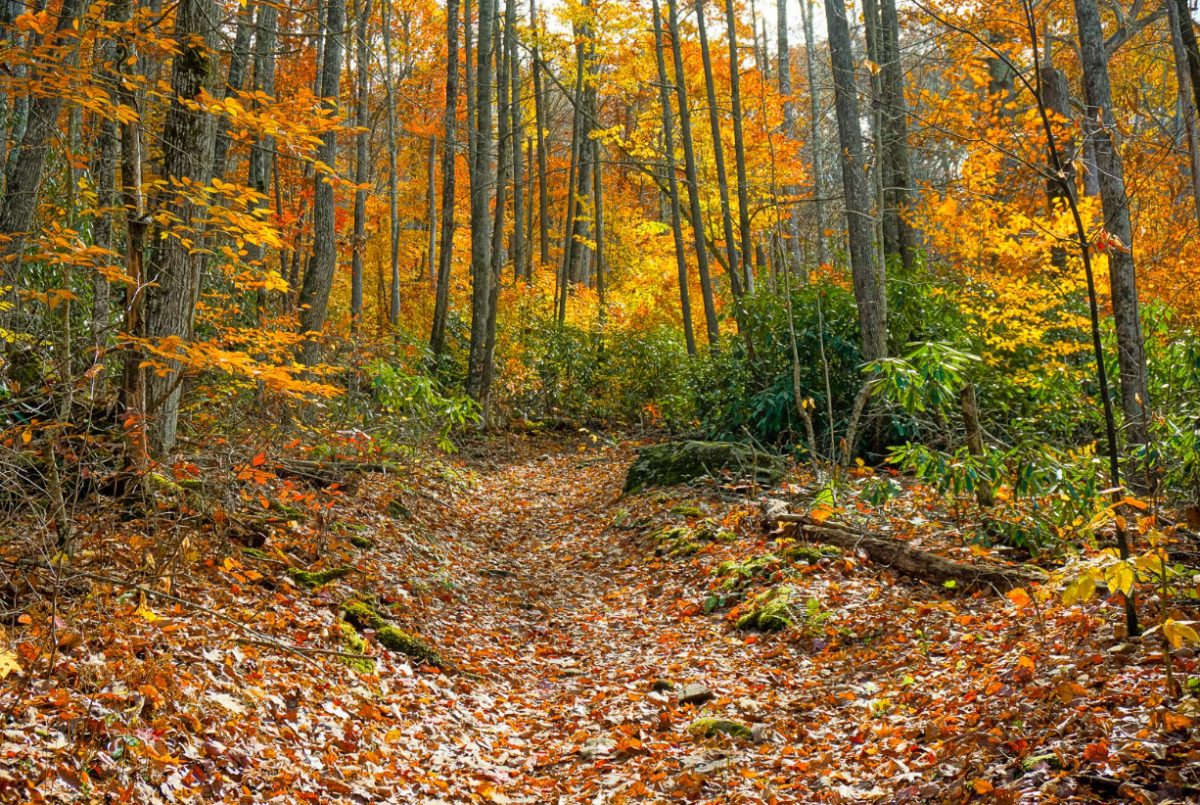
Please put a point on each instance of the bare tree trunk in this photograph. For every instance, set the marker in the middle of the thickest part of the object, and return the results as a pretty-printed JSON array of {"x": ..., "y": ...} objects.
[
  {"x": 598, "y": 218},
  {"x": 503, "y": 170},
  {"x": 539, "y": 112},
  {"x": 1056, "y": 94},
  {"x": 1101, "y": 125},
  {"x": 318, "y": 278},
  {"x": 1187, "y": 39},
  {"x": 689, "y": 158},
  {"x": 431, "y": 219},
  {"x": 975, "y": 446},
  {"x": 714, "y": 125},
  {"x": 814, "y": 135},
  {"x": 564, "y": 276},
  {"x": 482, "y": 184},
  {"x": 261, "y": 152},
  {"x": 518, "y": 139},
  {"x": 783, "y": 72},
  {"x": 394, "y": 157},
  {"x": 664, "y": 98},
  {"x": 26, "y": 161},
  {"x": 897, "y": 177},
  {"x": 239, "y": 58},
  {"x": 867, "y": 275},
  {"x": 739, "y": 146},
  {"x": 173, "y": 273},
  {"x": 362, "y": 159},
  {"x": 1187, "y": 101},
  {"x": 437, "y": 339}
]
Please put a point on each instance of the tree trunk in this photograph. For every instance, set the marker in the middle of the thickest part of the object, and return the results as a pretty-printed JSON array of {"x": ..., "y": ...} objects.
[
  {"x": 481, "y": 186},
  {"x": 264, "y": 81},
  {"x": 1187, "y": 39},
  {"x": 783, "y": 73},
  {"x": 518, "y": 138},
  {"x": 25, "y": 164},
  {"x": 318, "y": 278},
  {"x": 239, "y": 58},
  {"x": 1101, "y": 125},
  {"x": 714, "y": 124},
  {"x": 173, "y": 273},
  {"x": 1187, "y": 103},
  {"x": 362, "y": 159},
  {"x": 539, "y": 112},
  {"x": 897, "y": 178},
  {"x": 867, "y": 275},
  {"x": 394, "y": 157},
  {"x": 664, "y": 98},
  {"x": 503, "y": 168},
  {"x": 739, "y": 147},
  {"x": 437, "y": 339},
  {"x": 1056, "y": 95},
  {"x": 690, "y": 172},
  {"x": 814, "y": 136}
]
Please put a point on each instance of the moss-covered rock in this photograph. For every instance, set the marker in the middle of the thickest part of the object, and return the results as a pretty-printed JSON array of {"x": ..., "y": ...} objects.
[
  {"x": 672, "y": 463},
  {"x": 687, "y": 510},
  {"x": 362, "y": 615},
  {"x": 312, "y": 579},
  {"x": 770, "y": 610},
  {"x": 352, "y": 641},
  {"x": 710, "y": 727},
  {"x": 740, "y": 574}
]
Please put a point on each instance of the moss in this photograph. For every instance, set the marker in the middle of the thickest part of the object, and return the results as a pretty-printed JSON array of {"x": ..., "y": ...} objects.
[
  {"x": 710, "y": 727},
  {"x": 256, "y": 553},
  {"x": 398, "y": 508},
  {"x": 361, "y": 541},
  {"x": 288, "y": 511},
  {"x": 740, "y": 574},
  {"x": 811, "y": 554},
  {"x": 352, "y": 641},
  {"x": 395, "y": 639},
  {"x": 362, "y": 615},
  {"x": 710, "y": 531},
  {"x": 770, "y": 610},
  {"x": 312, "y": 579},
  {"x": 687, "y": 510},
  {"x": 674, "y": 463}
]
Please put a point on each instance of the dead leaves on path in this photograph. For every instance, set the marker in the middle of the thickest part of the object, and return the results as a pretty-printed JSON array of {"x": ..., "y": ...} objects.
[{"x": 575, "y": 643}]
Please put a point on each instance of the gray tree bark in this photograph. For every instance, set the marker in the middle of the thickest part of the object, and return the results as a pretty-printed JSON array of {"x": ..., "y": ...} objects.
[
  {"x": 318, "y": 278},
  {"x": 814, "y": 136},
  {"x": 867, "y": 273},
  {"x": 1101, "y": 127},
  {"x": 739, "y": 147},
  {"x": 362, "y": 158},
  {"x": 668, "y": 134},
  {"x": 441, "y": 305},
  {"x": 689, "y": 157},
  {"x": 482, "y": 184}
]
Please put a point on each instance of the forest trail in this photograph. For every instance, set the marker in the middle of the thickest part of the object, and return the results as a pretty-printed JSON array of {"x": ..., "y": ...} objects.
[{"x": 571, "y": 627}]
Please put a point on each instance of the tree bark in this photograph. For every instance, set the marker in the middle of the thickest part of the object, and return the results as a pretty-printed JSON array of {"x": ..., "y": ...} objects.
[
  {"x": 1101, "y": 129},
  {"x": 1187, "y": 102},
  {"x": 690, "y": 172},
  {"x": 897, "y": 179},
  {"x": 814, "y": 136},
  {"x": 481, "y": 220},
  {"x": 261, "y": 152},
  {"x": 362, "y": 158},
  {"x": 517, "y": 134},
  {"x": 739, "y": 147},
  {"x": 668, "y": 134},
  {"x": 867, "y": 275},
  {"x": 173, "y": 272},
  {"x": 714, "y": 125},
  {"x": 394, "y": 158},
  {"x": 539, "y": 112},
  {"x": 239, "y": 58},
  {"x": 441, "y": 308},
  {"x": 318, "y": 278}
]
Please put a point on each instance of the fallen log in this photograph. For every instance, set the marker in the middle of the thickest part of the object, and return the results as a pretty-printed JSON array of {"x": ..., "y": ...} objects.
[
  {"x": 328, "y": 473},
  {"x": 904, "y": 558}
]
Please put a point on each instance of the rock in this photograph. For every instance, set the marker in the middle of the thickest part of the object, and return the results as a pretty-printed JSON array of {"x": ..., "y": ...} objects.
[
  {"x": 710, "y": 727},
  {"x": 311, "y": 579},
  {"x": 672, "y": 463},
  {"x": 695, "y": 693},
  {"x": 662, "y": 686},
  {"x": 771, "y": 610}
]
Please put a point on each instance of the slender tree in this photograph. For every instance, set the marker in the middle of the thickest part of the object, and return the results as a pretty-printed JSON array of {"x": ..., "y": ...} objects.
[
  {"x": 739, "y": 145},
  {"x": 362, "y": 157},
  {"x": 664, "y": 99},
  {"x": 690, "y": 172},
  {"x": 482, "y": 185},
  {"x": 437, "y": 339}
]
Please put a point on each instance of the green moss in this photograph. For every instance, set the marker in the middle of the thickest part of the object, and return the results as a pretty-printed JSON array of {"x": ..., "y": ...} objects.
[
  {"x": 362, "y": 615},
  {"x": 395, "y": 639},
  {"x": 770, "y": 610},
  {"x": 811, "y": 554},
  {"x": 687, "y": 510},
  {"x": 352, "y": 641},
  {"x": 312, "y": 579},
  {"x": 398, "y": 508},
  {"x": 710, "y": 727},
  {"x": 256, "y": 553},
  {"x": 361, "y": 541},
  {"x": 674, "y": 463},
  {"x": 740, "y": 574}
]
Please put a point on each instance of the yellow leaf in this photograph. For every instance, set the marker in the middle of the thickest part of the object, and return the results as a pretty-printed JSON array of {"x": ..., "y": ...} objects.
[
  {"x": 1120, "y": 577},
  {"x": 982, "y": 787},
  {"x": 1179, "y": 632},
  {"x": 8, "y": 663}
]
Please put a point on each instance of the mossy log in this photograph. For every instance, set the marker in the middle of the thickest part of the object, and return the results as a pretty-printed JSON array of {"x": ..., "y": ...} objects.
[
  {"x": 362, "y": 615},
  {"x": 710, "y": 727},
  {"x": 672, "y": 463},
  {"x": 910, "y": 561}
]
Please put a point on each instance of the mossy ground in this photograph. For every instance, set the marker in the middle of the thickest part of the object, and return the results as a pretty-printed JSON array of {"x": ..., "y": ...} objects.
[
  {"x": 311, "y": 579},
  {"x": 710, "y": 727},
  {"x": 352, "y": 641},
  {"x": 361, "y": 615}
]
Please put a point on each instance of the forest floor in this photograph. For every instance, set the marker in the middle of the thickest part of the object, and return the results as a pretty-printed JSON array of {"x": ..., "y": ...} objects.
[{"x": 569, "y": 635}]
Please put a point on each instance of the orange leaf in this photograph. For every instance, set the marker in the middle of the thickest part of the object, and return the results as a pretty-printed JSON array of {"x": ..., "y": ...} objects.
[{"x": 258, "y": 460}]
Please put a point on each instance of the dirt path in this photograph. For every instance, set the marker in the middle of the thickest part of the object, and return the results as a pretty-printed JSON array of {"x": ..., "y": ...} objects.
[{"x": 571, "y": 620}]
